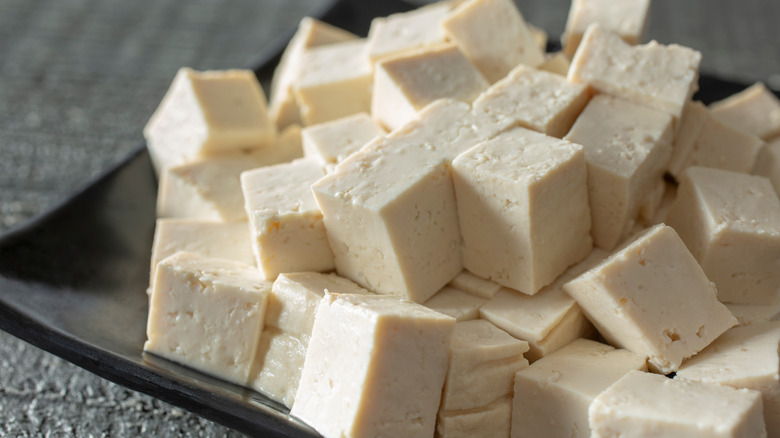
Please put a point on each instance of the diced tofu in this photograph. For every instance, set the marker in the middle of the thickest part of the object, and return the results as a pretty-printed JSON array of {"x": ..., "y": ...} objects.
[
  {"x": 534, "y": 99},
  {"x": 695, "y": 115},
  {"x": 626, "y": 18},
  {"x": 556, "y": 63},
  {"x": 490, "y": 421},
  {"x": 731, "y": 224},
  {"x": 539, "y": 35},
  {"x": 454, "y": 302},
  {"x": 398, "y": 33},
  {"x": 208, "y": 113},
  {"x": 654, "y": 75},
  {"x": 494, "y": 36},
  {"x": 552, "y": 396},
  {"x": 644, "y": 404},
  {"x": 375, "y": 367},
  {"x": 289, "y": 144},
  {"x": 660, "y": 213},
  {"x": 747, "y": 314},
  {"x": 721, "y": 146},
  {"x": 626, "y": 147},
  {"x": 208, "y": 314},
  {"x": 652, "y": 297},
  {"x": 468, "y": 282},
  {"x": 755, "y": 110},
  {"x": 286, "y": 224},
  {"x": 743, "y": 357},
  {"x": 278, "y": 364},
  {"x": 405, "y": 84},
  {"x": 768, "y": 163},
  {"x": 523, "y": 208},
  {"x": 331, "y": 142}
]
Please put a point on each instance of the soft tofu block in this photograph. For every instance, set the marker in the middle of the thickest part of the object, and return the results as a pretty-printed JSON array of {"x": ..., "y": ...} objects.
[
  {"x": 534, "y": 99},
  {"x": 652, "y": 297},
  {"x": 332, "y": 142},
  {"x": 768, "y": 163},
  {"x": 626, "y": 18},
  {"x": 695, "y": 115},
  {"x": 626, "y": 147},
  {"x": 286, "y": 225},
  {"x": 311, "y": 32},
  {"x": 523, "y": 208},
  {"x": 398, "y": 33},
  {"x": 747, "y": 314},
  {"x": 489, "y": 421},
  {"x": 277, "y": 367},
  {"x": 208, "y": 113},
  {"x": 755, "y": 110},
  {"x": 548, "y": 320},
  {"x": 334, "y": 81},
  {"x": 731, "y": 224},
  {"x": 494, "y": 36},
  {"x": 743, "y": 357},
  {"x": 208, "y": 314},
  {"x": 552, "y": 396},
  {"x": 468, "y": 282},
  {"x": 375, "y": 367},
  {"x": 483, "y": 363},
  {"x": 654, "y": 75},
  {"x": 644, "y": 405},
  {"x": 456, "y": 303},
  {"x": 722, "y": 146},
  {"x": 406, "y": 83},
  {"x": 556, "y": 63}
]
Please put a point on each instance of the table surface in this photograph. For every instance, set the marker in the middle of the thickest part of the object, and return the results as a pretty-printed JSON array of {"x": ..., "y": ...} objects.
[{"x": 80, "y": 78}]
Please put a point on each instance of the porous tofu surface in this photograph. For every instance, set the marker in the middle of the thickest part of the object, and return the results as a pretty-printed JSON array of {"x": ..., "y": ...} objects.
[
  {"x": 626, "y": 18},
  {"x": 456, "y": 303},
  {"x": 332, "y": 142},
  {"x": 755, "y": 110},
  {"x": 405, "y": 31}
]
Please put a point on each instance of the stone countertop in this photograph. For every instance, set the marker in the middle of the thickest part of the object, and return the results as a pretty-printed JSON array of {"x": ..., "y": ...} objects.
[{"x": 80, "y": 78}]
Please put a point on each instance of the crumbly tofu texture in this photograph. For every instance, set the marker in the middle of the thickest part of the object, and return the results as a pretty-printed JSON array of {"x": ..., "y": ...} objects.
[
  {"x": 208, "y": 113},
  {"x": 207, "y": 314},
  {"x": 731, "y": 223},
  {"x": 755, "y": 110},
  {"x": 406, "y": 83},
  {"x": 375, "y": 367},
  {"x": 494, "y": 36},
  {"x": 286, "y": 224},
  {"x": 627, "y": 18},
  {"x": 652, "y": 297},
  {"x": 552, "y": 396},
  {"x": 522, "y": 208},
  {"x": 456, "y": 303},
  {"x": 331, "y": 142},
  {"x": 398, "y": 33},
  {"x": 645, "y": 404}
]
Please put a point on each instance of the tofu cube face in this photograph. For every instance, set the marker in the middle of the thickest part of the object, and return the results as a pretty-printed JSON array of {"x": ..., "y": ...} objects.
[
  {"x": 768, "y": 163},
  {"x": 731, "y": 224},
  {"x": 491, "y": 420},
  {"x": 456, "y": 303},
  {"x": 652, "y": 298},
  {"x": 375, "y": 367},
  {"x": 286, "y": 224},
  {"x": 468, "y": 282},
  {"x": 695, "y": 115},
  {"x": 206, "y": 113},
  {"x": 332, "y": 142},
  {"x": 278, "y": 364},
  {"x": 522, "y": 208},
  {"x": 207, "y": 314},
  {"x": 628, "y": 19},
  {"x": 404, "y": 84},
  {"x": 645, "y": 404},
  {"x": 722, "y": 146},
  {"x": 398, "y": 33},
  {"x": 755, "y": 110}
]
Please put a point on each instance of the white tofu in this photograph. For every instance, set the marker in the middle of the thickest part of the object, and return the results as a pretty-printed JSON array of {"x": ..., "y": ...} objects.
[
  {"x": 721, "y": 146},
  {"x": 398, "y": 33},
  {"x": 207, "y": 313},
  {"x": 627, "y": 147},
  {"x": 286, "y": 224},
  {"x": 768, "y": 163},
  {"x": 278, "y": 365},
  {"x": 468, "y": 282},
  {"x": 534, "y": 99},
  {"x": 493, "y": 35},
  {"x": 644, "y": 404},
  {"x": 626, "y": 18},
  {"x": 539, "y": 35},
  {"x": 548, "y": 320},
  {"x": 743, "y": 357},
  {"x": 660, "y": 212},
  {"x": 654, "y": 75},
  {"x": 311, "y": 32},
  {"x": 755, "y": 110},
  {"x": 523, "y": 208},
  {"x": 492, "y": 420},
  {"x": 695, "y": 115},
  {"x": 456, "y": 303},
  {"x": 651, "y": 297},
  {"x": 557, "y": 63},
  {"x": 334, "y": 81},
  {"x": 375, "y": 367},
  {"x": 208, "y": 113},
  {"x": 552, "y": 396},
  {"x": 331, "y": 142},
  {"x": 289, "y": 144},
  {"x": 731, "y": 224},
  {"x": 406, "y": 83},
  {"x": 747, "y": 314}
]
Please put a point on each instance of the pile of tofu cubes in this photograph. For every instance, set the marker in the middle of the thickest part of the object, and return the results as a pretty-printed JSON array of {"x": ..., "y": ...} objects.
[{"x": 417, "y": 216}]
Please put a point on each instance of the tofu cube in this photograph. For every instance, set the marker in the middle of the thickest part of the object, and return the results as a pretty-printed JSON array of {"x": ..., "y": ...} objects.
[
  {"x": 557, "y": 63},
  {"x": 731, "y": 224},
  {"x": 747, "y": 314},
  {"x": 468, "y": 282},
  {"x": 523, "y": 208},
  {"x": 768, "y": 163},
  {"x": 654, "y": 75},
  {"x": 695, "y": 115},
  {"x": 494, "y": 36},
  {"x": 652, "y": 297},
  {"x": 722, "y": 146},
  {"x": 406, "y": 83},
  {"x": 552, "y": 396},
  {"x": 278, "y": 365},
  {"x": 626, "y": 18},
  {"x": 491, "y": 420},
  {"x": 644, "y": 404},
  {"x": 285, "y": 222},
  {"x": 755, "y": 110},
  {"x": 627, "y": 147},
  {"x": 375, "y": 367},
  {"x": 208, "y": 113},
  {"x": 331, "y": 142},
  {"x": 401, "y": 32},
  {"x": 207, "y": 314},
  {"x": 454, "y": 302}
]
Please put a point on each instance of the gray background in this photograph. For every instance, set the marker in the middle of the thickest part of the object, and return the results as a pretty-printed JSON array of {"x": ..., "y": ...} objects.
[{"x": 80, "y": 78}]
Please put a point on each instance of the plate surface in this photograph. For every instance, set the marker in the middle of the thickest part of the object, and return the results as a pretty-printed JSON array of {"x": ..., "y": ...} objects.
[{"x": 73, "y": 280}]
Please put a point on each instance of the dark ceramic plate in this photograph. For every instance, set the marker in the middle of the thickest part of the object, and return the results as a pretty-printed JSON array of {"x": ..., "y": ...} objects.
[{"x": 73, "y": 280}]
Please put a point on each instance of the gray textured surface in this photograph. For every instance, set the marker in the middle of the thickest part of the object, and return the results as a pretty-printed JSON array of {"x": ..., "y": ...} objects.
[{"x": 79, "y": 79}]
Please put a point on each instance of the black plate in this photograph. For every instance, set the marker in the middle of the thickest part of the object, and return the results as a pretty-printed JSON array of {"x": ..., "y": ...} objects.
[{"x": 73, "y": 280}]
